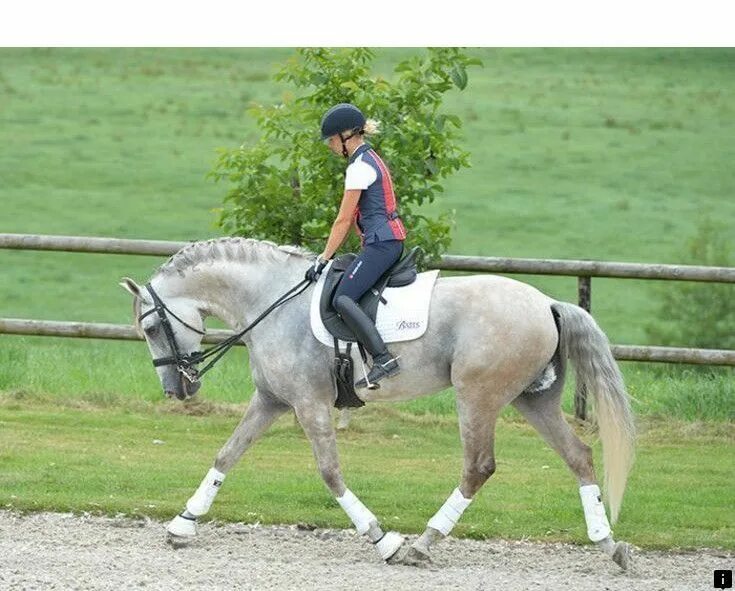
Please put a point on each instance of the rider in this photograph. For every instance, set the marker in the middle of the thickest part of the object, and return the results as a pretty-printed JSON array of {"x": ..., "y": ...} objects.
[{"x": 370, "y": 203}]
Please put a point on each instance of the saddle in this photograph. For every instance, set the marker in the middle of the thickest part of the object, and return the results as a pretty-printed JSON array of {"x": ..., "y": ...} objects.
[{"x": 402, "y": 273}]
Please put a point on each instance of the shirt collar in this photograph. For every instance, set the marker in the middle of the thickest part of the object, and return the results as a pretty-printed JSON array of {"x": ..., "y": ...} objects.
[{"x": 360, "y": 150}]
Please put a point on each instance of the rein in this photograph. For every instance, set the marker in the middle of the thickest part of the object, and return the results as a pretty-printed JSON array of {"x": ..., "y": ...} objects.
[{"x": 185, "y": 364}]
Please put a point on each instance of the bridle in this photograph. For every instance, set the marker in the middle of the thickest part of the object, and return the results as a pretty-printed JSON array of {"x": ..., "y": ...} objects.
[{"x": 186, "y": 364}]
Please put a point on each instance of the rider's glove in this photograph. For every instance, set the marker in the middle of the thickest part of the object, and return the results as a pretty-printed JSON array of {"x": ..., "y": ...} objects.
[{"x": 312, "y": 273}]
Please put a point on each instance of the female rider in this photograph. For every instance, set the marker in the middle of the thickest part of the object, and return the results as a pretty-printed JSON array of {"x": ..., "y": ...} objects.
[{"x": 370, "y": 203}]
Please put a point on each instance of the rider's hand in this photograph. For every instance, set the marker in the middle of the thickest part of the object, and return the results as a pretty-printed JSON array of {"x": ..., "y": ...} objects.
[{"x": 312, "y": 273}]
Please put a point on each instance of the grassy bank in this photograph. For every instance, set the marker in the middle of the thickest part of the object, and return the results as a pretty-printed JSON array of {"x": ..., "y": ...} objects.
[{"x": 109, "y": 373}]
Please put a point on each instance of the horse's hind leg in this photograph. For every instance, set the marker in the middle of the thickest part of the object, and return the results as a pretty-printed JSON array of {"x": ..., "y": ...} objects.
[
  {"x": 477, "y": 418},
  {"x": 261, "y": 414},
  {"x": 543, "y": 411}
]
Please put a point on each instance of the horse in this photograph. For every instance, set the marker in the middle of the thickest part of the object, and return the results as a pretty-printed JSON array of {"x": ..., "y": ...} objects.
[{"x": 496, "y": 340}]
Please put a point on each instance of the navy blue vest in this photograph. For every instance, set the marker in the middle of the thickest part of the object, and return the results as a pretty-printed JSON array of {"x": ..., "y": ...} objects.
[{"x": 376, "y": 217}]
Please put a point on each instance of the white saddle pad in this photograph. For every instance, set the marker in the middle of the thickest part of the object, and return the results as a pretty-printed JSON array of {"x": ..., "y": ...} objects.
[{"x": 404, "y": 317}]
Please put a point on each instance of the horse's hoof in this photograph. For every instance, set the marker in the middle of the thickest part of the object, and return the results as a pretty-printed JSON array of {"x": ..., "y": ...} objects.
[
  {"x": 414, "y": 556},
  {"x": 182, "y": 527},
  {"x": 622, "y": 555},
  {"x": 389, "y": 544}
]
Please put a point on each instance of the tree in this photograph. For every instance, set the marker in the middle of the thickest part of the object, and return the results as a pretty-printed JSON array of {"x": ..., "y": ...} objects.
[
  {"x": 287, "y": 187},
  {"x": 699, "y": 314}
]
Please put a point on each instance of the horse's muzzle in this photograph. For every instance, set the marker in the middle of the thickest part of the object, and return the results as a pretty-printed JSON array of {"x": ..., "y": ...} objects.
[{"x": 185, "y": 390}]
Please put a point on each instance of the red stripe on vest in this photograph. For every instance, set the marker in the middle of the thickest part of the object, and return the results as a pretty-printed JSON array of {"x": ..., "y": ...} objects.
[{"x": 389, "y": 196}]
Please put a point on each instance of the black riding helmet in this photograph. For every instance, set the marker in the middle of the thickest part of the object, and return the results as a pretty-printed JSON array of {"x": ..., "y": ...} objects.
[{"x": 342, "y": 117}]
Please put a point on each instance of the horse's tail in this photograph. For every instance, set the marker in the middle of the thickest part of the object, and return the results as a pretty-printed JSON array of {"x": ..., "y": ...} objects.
[{"x": 583, "y": 341}]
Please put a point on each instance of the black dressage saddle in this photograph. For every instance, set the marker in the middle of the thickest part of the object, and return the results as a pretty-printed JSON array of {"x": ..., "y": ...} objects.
[{"x": 402, "y": 273}]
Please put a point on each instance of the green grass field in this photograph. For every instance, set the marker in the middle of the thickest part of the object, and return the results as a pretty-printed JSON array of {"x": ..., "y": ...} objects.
[
  {"x": 608, "y": 154},
  {"x": 598, "y": 154},
  {"x": 593, "y": 154}
]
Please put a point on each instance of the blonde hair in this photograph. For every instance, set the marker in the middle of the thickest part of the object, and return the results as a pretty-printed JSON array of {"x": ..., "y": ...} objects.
[{"x": 372, "y": 127}]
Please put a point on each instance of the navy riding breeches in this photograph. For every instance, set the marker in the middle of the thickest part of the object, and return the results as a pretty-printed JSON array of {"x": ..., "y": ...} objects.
[{"x": 372, "y": 261}]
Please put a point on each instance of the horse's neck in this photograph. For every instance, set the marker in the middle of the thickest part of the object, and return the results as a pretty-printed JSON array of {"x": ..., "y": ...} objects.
[{"x": 235, "y": 292}]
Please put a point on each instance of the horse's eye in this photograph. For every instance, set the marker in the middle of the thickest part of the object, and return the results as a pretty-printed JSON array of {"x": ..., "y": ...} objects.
[{"x": 151, "y": 330}]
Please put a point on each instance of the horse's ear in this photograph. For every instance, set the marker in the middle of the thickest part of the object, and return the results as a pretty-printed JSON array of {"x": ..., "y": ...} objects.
[{"x": 132, "y": 288}]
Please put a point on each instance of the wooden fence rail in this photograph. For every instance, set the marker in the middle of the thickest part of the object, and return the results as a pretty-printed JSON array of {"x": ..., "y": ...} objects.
[
  {"x": 583, "y": 270},
  {"x": 87, "y": 330},
  {"x": 89, "y": 244},
  {"x": 125, "y": 332},
  {"x": 588, "y": 269},
  {"x": 570, "y": 268}
]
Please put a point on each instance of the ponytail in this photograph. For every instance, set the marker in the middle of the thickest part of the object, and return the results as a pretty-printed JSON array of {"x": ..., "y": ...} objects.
[{"x": 371, "y": 127}]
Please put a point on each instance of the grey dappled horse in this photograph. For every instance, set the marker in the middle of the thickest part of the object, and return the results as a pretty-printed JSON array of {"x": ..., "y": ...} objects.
[{"x": 495, "y": 340}]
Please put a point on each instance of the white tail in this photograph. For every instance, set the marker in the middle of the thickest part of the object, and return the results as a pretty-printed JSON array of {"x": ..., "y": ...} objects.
[{"x": 587, "y": 347}]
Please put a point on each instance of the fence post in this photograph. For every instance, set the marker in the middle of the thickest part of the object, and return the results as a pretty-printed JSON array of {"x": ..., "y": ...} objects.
[{"x": 584, "y": 291}]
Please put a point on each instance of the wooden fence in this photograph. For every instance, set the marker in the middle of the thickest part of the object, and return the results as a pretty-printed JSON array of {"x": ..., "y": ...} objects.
[{"x": 583, "y": 270}]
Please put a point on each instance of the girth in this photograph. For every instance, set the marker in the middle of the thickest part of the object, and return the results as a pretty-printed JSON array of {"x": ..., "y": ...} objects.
[{"x": 402, "y": 273}]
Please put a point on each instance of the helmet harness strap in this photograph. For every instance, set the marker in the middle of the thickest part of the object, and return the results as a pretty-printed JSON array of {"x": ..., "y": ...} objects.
[{"x": 344, "y": 139}]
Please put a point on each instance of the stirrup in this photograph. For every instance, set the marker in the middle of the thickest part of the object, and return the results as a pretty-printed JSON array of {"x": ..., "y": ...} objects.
[{"x": 379, "y": 371}]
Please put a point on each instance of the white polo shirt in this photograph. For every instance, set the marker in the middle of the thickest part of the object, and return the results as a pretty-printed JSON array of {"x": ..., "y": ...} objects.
[{"x": 359, "y": 175}]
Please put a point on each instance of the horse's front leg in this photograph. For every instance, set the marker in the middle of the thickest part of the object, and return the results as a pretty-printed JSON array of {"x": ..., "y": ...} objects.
[
  {"x": 316, "y": 420},
  {"x": 261, "y": 413}
]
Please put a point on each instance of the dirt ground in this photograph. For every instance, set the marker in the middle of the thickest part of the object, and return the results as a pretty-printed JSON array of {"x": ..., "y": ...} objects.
[{"x": 61, "y": 551}]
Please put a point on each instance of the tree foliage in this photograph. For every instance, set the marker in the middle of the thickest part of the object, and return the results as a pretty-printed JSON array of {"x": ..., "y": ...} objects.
[
  {"x": 699, "y": 314},
  {"x": 288, "y": 186}
]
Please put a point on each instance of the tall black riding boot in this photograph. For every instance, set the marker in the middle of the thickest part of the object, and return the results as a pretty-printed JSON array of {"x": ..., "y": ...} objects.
[{"x": 384, "y": 364}]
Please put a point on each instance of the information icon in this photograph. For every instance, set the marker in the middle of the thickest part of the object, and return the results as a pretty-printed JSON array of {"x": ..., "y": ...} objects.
[{"x": 723, "y": 579}]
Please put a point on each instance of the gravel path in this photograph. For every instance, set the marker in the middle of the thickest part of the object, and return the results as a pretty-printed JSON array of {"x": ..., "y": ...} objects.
[{"x": 61, "y": 551}]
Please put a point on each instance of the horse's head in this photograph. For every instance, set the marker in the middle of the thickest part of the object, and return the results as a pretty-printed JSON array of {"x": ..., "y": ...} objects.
[{"x": 173, "y": 330}]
